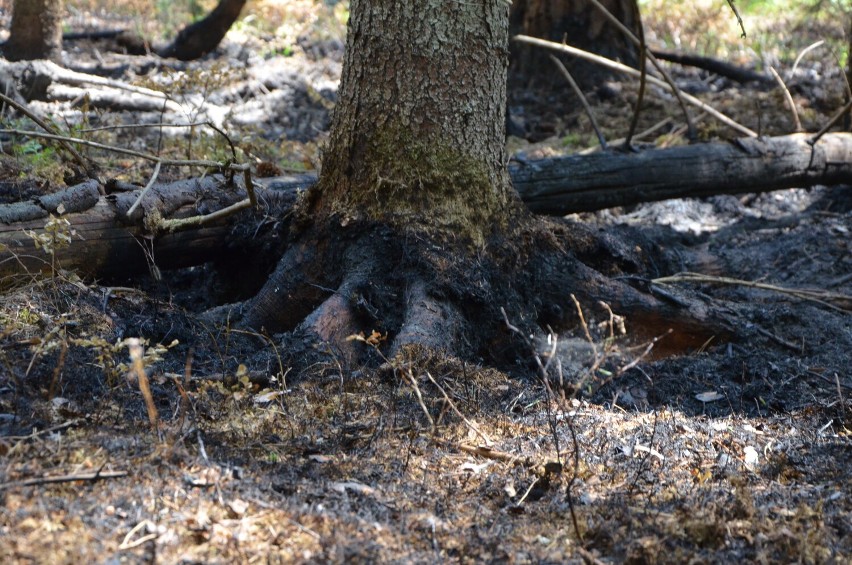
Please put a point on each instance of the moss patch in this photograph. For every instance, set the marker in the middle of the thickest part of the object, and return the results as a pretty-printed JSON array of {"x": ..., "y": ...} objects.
[{"x": 423, "y": 183}]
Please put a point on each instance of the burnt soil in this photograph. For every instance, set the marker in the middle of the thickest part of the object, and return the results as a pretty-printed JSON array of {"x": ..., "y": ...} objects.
[{"x": 267, "y": 449}]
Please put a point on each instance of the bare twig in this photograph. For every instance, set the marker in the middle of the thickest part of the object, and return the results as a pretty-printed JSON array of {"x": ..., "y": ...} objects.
[
  {"x": 96, "y": 476},
  {"x": 804, "y": 52},
  {"x": 145, "y": 190},
  {"x": 177, "y": 224},
  {"x": 171, "y": 225},
  {"x": 588, "y": 556},
  {"x": 739, "y": 18},
  {"x": 796, "y": 121},
  {"x": 643, "y": 50},
  {"x": 473, "y": 427},
  {"x": 831, "y": 123},
  {"x": 487, "y": 452},
  {"x": 819, "y": 296},
  {"x": 49, "y": 129},
  {"x": 576, "y": 88},
  {"x": 127, "y": 544},
  {"x": 412, "y": 382},
  {"x": 130, "y": 152},
  {"x": 136, "y": 353},
  {"x": 641, "y": 135},
  {"x": 640, "y": 97},
  {"x": 35, "y": 434},
  {"x": 552, "y": 420},
  {"x": 835, "y": 381}
]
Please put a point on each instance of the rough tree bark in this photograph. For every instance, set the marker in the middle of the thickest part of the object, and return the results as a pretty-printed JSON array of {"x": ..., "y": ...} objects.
[
  {"x": 412, "y": 229},
  {"x": 417, "y": 146},
  {"x": 202, "y": 37},
  {"x": 36, "y": 30}
]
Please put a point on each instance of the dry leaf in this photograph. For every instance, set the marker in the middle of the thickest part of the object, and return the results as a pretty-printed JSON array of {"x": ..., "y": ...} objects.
[{"x": 710, "y": 396}]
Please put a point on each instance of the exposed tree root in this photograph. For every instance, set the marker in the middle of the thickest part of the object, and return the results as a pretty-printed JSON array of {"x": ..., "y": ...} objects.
[
  {"x": 429, "y": 321},
  {"x": 295, "y": 288}
]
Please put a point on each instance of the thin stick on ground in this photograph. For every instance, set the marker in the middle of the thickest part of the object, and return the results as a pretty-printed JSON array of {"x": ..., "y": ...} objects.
[
  {"x": 473, "y": 427},
  {"x": 53, "y": 429},
  {"x": 487, "y": 452},
  {"x": 412, "y": 382},
  {"x": 70, "y": 478},
  {"x": 822, "y": 297}
]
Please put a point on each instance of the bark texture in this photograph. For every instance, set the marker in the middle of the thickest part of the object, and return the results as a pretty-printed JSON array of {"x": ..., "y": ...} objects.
[
  {"x": 106, "y": 243},
  {"x": 580, "y": 183},
  {"x": 419, "y": 121},
  {"x": 36, "y": 30},
  {"x": 412, "y": 235}
]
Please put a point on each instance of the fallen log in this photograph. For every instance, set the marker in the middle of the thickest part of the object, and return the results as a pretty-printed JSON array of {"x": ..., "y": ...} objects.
[
  {"x": 105, "y": 242},
  {"x": 108, "y": 243},
  {"x": 582, "y": 183}
]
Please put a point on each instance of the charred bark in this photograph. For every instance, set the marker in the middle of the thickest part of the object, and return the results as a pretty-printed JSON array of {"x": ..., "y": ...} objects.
[{"x": 579, "y": 183}]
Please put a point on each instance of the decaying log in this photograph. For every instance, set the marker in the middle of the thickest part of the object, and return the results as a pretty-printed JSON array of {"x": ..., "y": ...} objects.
[{"x": 108, "y": 243}]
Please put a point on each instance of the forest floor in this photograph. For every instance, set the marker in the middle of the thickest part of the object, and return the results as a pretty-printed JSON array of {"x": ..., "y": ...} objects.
[{"x": 734, "y": 452}]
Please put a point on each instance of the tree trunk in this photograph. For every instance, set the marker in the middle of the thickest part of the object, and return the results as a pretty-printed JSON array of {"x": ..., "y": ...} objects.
[
  {"x": 202, "y": 37},
  {"x": 405, "y": 139},
  {"x": 36, "y": 30},
  {"x": 416, "y": 153}
]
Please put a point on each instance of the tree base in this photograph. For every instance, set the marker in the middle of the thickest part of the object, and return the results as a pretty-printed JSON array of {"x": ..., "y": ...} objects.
[{"x": 395, "y": 289}]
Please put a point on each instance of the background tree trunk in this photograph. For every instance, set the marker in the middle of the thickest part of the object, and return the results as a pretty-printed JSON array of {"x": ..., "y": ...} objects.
[
  {"x": 202, "y": 37},
  {"x": 581, "y": 25},
  {"x": 36, "y": 30}
]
